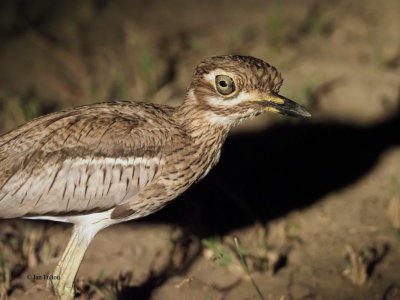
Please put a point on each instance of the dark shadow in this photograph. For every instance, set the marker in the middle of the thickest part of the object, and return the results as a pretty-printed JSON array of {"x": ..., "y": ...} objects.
[
  {"x": 24, "y": 16},
  {"x": 376, "y": 257}
]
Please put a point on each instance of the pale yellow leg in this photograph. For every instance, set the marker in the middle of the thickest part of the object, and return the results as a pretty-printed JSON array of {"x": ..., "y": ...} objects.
[{"x": 65, "y": 272}]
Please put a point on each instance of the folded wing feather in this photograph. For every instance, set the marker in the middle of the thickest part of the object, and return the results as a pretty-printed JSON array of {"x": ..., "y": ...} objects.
[{"x": 79, "y": 161}]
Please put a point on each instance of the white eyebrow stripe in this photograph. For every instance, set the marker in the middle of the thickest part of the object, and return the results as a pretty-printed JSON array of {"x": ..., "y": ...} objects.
[{"x": 220, "y": 101}]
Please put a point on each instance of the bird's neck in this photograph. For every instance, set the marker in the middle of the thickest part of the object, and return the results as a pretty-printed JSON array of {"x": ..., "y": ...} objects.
[
  {"x": 207, "y": 135},
  {"x": 201, "y": 123}
]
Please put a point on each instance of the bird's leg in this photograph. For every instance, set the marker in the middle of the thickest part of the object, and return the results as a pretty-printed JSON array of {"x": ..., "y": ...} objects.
[{"x": 65, "y": 272}]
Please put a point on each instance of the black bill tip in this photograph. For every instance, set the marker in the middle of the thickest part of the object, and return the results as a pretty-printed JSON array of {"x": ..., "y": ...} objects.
[{"x": 287, "y": 107}]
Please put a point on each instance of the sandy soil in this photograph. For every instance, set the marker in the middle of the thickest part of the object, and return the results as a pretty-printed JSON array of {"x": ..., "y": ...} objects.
[{"x": 313, "y": 205}]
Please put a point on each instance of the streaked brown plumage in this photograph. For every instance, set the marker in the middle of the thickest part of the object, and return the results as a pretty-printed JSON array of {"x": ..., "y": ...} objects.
[{"x": 103, "y": 164}]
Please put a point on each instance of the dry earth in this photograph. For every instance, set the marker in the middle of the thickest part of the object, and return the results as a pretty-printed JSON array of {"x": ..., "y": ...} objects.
[{"x": 314, "y": 205}]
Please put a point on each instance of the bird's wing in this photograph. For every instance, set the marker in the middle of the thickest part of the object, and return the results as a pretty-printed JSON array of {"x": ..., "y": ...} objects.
[{"x": 79, "y": 161}]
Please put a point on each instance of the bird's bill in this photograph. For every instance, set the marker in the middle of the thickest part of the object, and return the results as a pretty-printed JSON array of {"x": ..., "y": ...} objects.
[{"x": 282, "y": 105}]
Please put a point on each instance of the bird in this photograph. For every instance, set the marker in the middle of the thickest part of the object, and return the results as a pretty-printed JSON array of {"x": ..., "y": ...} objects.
[{"x": 106, "y": 163}]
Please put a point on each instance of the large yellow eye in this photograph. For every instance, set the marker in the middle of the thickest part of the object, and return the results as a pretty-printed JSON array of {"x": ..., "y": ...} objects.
[{"x": 224, "y": 84}]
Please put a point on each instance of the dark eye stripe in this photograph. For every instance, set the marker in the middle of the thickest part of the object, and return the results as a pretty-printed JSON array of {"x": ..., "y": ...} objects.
[{"x": 225, "y": 85}]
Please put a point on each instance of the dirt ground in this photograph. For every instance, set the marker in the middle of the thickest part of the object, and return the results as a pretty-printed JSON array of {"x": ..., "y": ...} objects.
[{"x": 296, "y": 209}]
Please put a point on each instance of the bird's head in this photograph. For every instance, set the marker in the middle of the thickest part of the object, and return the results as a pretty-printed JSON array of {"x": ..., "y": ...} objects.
[{"x": 233, "y": 88}]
